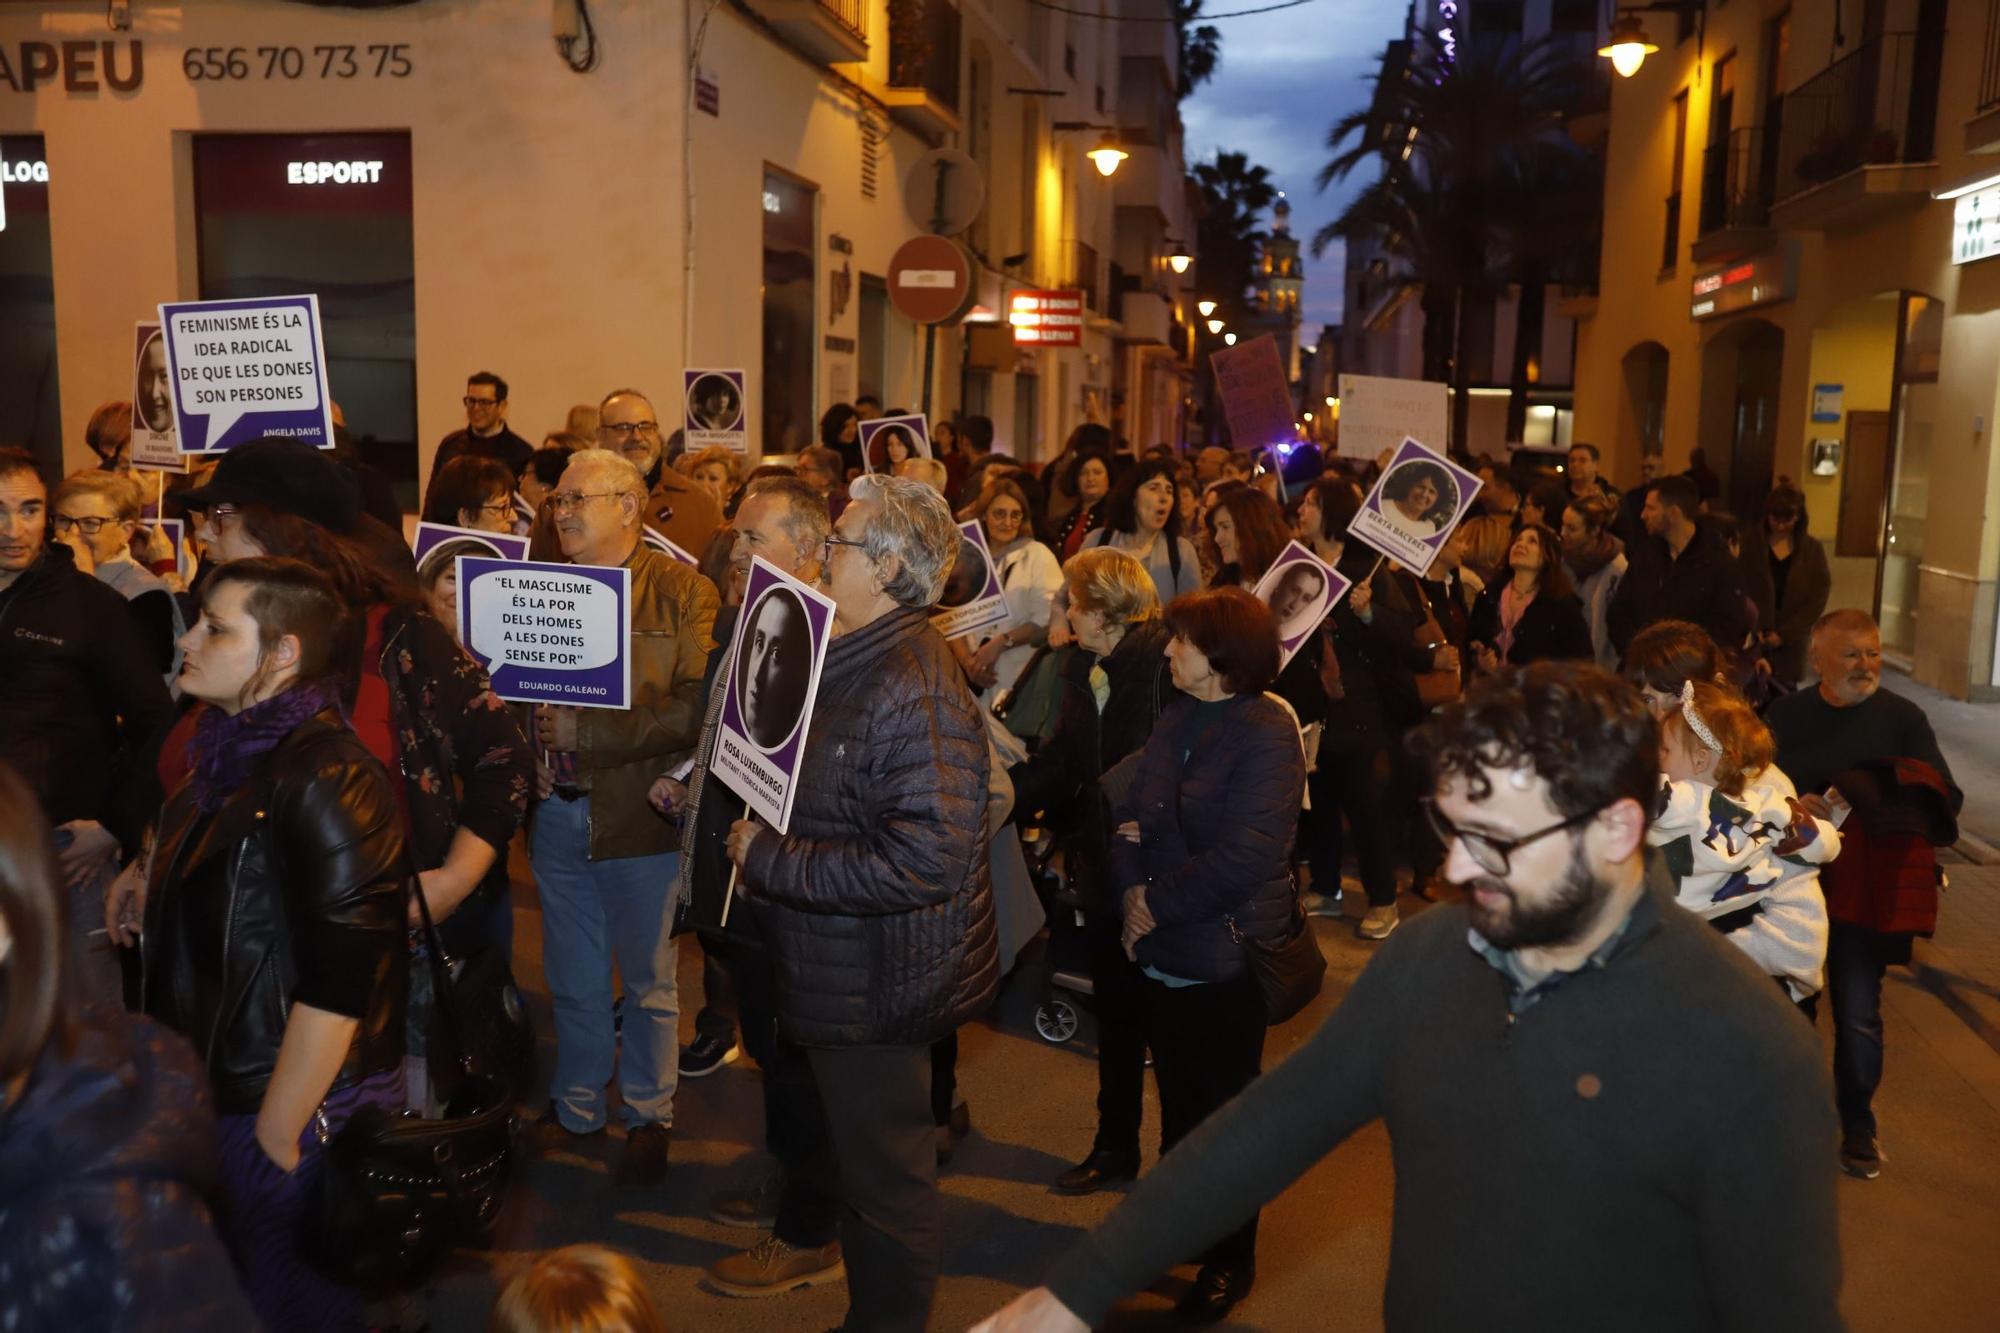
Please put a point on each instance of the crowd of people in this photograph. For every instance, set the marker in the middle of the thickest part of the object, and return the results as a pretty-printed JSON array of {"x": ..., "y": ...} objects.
[{"x": 1622, "y": 742}]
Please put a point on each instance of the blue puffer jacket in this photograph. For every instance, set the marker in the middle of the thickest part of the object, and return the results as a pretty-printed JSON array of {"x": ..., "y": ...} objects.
[
  {"x": 107, "y": 1162},
  {"x": 1215, "y": 835}
]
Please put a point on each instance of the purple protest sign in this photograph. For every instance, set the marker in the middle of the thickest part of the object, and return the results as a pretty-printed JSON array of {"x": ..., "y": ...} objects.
[
  {"x": 1256, "y": 393},
  {"x": 973, "y": 599},
  {"x": 1301, "y": 589},
  {"x": 714, "y": 410},
  {"x": 667, "y": 548},
  {"x": 1421, "y": 497},
  {"x": 175, "y": 531},
  {"x": 910, "y": 434},
  {"x": 499, "y": 545},
  {"x": 153, "y": 446},
  {"x": 549, "y": 633},
  {"x": 245, "y": 369},
  {"x": 780, "y": 648}
]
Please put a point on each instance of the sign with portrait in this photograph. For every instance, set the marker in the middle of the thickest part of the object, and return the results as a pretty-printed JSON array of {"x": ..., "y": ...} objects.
[
  {"x": 472, "y": 541},
  {"x": 714, "y": 411},
  {"x": 548, "y": 633},
  {"x": 887, "y": 441},
  {"x": 665, "y": 547},
  {"x": 153, "y": 446},
  {"x": 774, "y": 667},
  {"x": 1416, "y": 503},
  {"x": 1301, "y": 590},
  {"x": 973, "y": 599},
  {"x": 242, "y": 370}
]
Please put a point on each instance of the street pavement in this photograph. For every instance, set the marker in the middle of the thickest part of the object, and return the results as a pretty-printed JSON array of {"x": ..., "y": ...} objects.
[{"x": 1918, "y": 1241}]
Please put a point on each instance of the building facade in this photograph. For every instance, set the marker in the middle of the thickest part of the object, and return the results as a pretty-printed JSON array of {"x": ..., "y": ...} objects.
[
  {"x": 1795, "y": 280},
  {"x": 679, "y": 186}
]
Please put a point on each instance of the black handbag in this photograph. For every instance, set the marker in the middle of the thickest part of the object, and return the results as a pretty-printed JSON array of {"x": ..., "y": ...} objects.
[
  {"x": 395, "y": 1191},
  {"x": 1290, "y": 972}
]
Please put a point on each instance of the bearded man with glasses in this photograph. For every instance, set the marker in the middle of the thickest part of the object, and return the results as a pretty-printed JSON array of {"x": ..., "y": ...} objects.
[
  {"x": 1602, "y": 1114},
  {"x": 676, "y": 508}
]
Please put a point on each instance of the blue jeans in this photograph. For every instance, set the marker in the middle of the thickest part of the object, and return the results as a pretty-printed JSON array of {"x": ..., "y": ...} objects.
[
  {"x": 593, "y": 911},
  {"x": 1854, "y": 967}
]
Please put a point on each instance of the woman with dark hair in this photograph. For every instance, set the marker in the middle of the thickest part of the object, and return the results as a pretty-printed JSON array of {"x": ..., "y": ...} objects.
[
  {"x": 1204, "y": 841},
  {"x": 1531, "y": 612},
  {"x": 1084, "y": 487},
  {"x": 472, "y": 492},
  {"x": 1800, "y": 579},
  {"x": 275, "y": 916},
  {"x": 1142, "y": 518},
  {"x": 1060, "y": 472},
  {"x": 1248, "y": 531},
  {"x": 1542, "y": 505},
  {"x": 1419, "y": 498},
  {"x": 107, "y": 1132},
  {"x": 1596, "y": 562},
  {"x": 840, "y": 430}
]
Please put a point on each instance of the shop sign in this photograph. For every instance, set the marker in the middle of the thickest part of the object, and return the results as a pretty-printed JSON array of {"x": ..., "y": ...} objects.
[
  {"x": 1975, "y": 226},
  {"x": 1741, "y": 284},
  {"x": 81, "y": 67},
  {"x": 1047, "y": 318}
]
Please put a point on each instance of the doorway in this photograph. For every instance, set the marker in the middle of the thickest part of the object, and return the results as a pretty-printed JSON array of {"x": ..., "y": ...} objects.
[
  {"x": 30, "y": 393},
  {"x": 1741, "y": 370}
]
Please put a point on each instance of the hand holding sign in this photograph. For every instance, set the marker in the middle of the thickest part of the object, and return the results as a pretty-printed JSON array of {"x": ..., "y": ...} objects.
[
  {"x": 549, "y": 633},
  {"x": 1421, "y": 498}
]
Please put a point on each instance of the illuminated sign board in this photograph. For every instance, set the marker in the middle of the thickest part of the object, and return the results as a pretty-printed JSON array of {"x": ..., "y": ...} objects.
[
  {"x": 1743, "y": 283},
  {"x": 1975, "y": 226},
  {"x": 332, "y": 173},
  {"x": 1047, "y": 318}
]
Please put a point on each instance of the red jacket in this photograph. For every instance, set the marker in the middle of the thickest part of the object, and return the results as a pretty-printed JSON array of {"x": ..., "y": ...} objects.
[{"x": 1886, "y": 878}]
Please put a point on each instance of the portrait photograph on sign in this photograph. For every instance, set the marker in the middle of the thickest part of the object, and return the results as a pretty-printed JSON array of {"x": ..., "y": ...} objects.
[
  {"x": 973, "y": 599},
  {"x": 887, "y": 441},
  {"x": 242, "y": 370},
  {"x": 548, "y": 633},
  {"x": 713, "y": 410},
  {"x": 774, "y": 668},
  {"x": 1300, "y": 589},
  {"x": 153, "y": 446},
  {"x": 1421, "y": 497}
]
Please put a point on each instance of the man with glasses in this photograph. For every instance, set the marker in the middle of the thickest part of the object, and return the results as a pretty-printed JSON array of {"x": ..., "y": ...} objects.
[
  {"x": 605, "y": 864},
  {"x": 486, "y": 434},
  {"x": 82, "y": 708},
  {"x": 676, "y": 508},
  {"x": 97, "y": 516},
  {"x": 1602, "y": 1115}
]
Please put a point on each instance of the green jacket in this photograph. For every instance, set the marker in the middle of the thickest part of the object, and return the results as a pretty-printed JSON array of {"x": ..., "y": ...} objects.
[{"x": 620, "y": 751}]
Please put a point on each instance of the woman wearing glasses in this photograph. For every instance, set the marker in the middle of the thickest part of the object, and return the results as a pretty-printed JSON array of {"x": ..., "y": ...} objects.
[
  {"x": 96, "y": 514},
  {"x": 472, "y": 492}
]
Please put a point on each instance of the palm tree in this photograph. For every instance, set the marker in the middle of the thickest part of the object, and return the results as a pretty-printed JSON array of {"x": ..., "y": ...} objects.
[
  {"x": 1455, "y": 142},
  {"x": 1201, "y": 47},
  {"x": 1234, "y": 193}
]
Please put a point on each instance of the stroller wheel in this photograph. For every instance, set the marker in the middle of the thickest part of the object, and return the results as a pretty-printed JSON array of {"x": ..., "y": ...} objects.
[{"x": 1055, "y": 1021}]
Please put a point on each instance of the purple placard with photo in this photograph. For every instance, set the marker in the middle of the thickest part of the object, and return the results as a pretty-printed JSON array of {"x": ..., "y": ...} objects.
[
  {"x": 245, "y": 369},
  {"x": 665, "y": 547},
  {"x": 780, "y": 647},
  {"x": 175, "y": 531},
  {"x": 876, "y": 435},
  {"x": 1301, "y": 589},
  {"x": 549, "y": 633},
  {"x": 153, "y": 446},
  {"x": 714, "y": 410},
  {"x": 973, "y": 599},
  {"x": 498, "y": 545},
  {"x": 1420, "y": 498}
]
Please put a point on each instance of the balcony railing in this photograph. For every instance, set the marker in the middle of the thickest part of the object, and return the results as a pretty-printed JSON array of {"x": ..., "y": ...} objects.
[
  {"x": 924, "y": 47},
  {"x": 850, "y": 14},
  {"x": 1876, "y": 107},
  {"x": 1735, "y": 189}
]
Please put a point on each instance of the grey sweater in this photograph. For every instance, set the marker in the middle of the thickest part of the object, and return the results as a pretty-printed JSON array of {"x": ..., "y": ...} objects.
[{"x": 1650, "y": 1146}]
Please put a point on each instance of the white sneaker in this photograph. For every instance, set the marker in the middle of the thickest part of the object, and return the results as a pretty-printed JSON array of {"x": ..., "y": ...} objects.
[
  {"x": 1380, "y": 923},
  {"x": 1321, "y": 904}
]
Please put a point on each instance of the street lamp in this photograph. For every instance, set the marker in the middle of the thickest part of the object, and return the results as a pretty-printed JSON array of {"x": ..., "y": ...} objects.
[
  {"x": 1107, "y": 155},
  {"x": 1207, "y": 308},
  {"x": 1229, "y": 340},
  {"x": 1629, "y": 45},
  {"x": 1179, "y": 260},
  {"x": 1215, "y": 326}
]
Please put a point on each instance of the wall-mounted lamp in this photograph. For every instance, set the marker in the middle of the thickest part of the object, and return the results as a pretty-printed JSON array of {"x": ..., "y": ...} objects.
[
  {"x": 1108, "y": 153},
  {"x": 1629, "y": 45},
  {"x": 1229, "y": 340},
  {"x": 1207, "y": 308},
  {"x": 1215, "y": 326},
  {"x": 1179, "y": 260}
]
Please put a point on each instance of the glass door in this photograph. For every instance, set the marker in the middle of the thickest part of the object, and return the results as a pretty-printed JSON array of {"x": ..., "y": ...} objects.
[{"x": 1910, "y": 482}]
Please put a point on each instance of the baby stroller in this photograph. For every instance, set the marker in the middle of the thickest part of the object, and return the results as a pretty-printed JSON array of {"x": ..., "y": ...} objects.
[{"x": 1069, "y": 987}]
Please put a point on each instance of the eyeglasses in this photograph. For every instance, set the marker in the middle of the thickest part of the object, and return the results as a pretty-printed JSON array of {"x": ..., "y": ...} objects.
[
  {"x": 1495, "y": 855},
  {"x": 826, "y": 551},
  {"x": 216, "y": 515},
  {"x": 470, "y": 401},
  {"x": 626, "y": 429},
  {"x": 565, "y": 501},
  {"x": 497, "y": 507},
  {"x": 91, "y": 526}
]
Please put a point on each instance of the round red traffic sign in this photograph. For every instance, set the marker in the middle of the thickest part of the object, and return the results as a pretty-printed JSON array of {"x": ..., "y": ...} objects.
[{"x": 930, "y": 279}]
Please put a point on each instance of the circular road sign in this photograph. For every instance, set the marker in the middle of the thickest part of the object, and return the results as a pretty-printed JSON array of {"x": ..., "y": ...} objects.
[{"x": 930, "y": 279}]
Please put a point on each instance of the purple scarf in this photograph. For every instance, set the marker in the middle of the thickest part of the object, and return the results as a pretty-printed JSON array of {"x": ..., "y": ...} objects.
[{"x": 225, "y": 747}]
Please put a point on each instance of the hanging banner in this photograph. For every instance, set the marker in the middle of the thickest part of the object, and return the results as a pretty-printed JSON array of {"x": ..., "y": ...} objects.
[
  {"x": 713, "y": 411},
  {"x": 1378, "y": 412},
  {"x": 1301, "y": 589},
  {"x": 887, "y": 441},
  {"x": 242, "y": 370},
  {"x": 774, "y": 670},
  {"x": 153, "y": 445},
  {"x": 1419, "y": 499},
  {"x": 548, "y": 633},
  {"x": 973, "y": 599}
]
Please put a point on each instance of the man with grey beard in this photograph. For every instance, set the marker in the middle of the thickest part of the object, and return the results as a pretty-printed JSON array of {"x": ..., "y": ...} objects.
[
  {"x": 1849, "y": 743},
  {"x": 1603, "y": 1116}
]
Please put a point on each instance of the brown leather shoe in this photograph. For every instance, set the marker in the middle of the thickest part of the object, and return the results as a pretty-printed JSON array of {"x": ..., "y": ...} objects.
[
  {"x": 772, "y": 1268},
  {"x": 548, "y": 1134}
]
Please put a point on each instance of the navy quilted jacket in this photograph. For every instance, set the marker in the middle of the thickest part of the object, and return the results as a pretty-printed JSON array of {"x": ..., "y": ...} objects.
[
  {"x": 876, "y": 904},
  {"x": 1215, "y": 835},
  {"x": 107, "y": 1164}
]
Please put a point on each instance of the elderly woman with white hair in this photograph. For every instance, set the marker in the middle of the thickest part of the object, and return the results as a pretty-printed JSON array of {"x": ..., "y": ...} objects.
[{"x": 876, "y": 905}]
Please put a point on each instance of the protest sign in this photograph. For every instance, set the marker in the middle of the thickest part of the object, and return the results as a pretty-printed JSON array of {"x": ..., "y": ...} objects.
[
  {"x": 1301, "y": 589},
  {"x": 548, "y": 633},
  {"x": 153, "y": 445},
  {"x": 666, "y": 547},
  {"x": 499, "y": 545},
  {"x": 1256, "y": 394},
  {"x": 910, "y": 436},
  {"x": 1377, "y": 412},
  {"x": 1420, "y": 497},
  {"x": 175, "y": 531},
  {"x": 973, "y": 599},
  {"x": 714, "y": 411},
  {"x": 767, "y": 703},
  {"x": 245, "y": 369}
]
